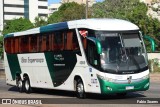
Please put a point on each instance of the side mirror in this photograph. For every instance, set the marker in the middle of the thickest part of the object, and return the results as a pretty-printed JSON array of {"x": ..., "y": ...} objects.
[{"x": 97, "y": 44}]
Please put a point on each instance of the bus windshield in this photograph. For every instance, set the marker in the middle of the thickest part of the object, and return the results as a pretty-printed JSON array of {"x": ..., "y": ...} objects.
[{"x": 122, "y": 52}]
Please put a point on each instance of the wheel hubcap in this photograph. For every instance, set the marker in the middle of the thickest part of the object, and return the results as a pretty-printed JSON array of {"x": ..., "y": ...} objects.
[
  {"x": 80, "y": 88},
  {"x": 27, "y": 85},
  {"x": 19, "y": 84}
]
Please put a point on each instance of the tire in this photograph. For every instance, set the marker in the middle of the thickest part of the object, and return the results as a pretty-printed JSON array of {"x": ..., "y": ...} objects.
[
  {"x": 20, "y": 84},
  {"x": 80, "y": 89},
  {"x": 27, "y": 85}
]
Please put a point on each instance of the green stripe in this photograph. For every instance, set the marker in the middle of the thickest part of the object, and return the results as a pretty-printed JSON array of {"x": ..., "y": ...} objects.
[
  {"x": 120, "y": 88},
  {"x": 13, "y": 65},
  {"x": 49, "y": 59},
  {"x": 67, "y": 60}
]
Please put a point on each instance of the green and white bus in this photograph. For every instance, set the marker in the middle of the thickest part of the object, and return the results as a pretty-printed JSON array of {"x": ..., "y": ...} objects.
[{"x": 104, "y": 56}]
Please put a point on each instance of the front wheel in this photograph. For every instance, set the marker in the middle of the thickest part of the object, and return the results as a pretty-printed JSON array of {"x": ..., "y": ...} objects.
[{"x": 80, "y": 89}]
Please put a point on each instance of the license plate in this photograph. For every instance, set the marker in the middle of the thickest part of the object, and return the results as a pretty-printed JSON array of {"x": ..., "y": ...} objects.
[{"x": 129, "y": 87}]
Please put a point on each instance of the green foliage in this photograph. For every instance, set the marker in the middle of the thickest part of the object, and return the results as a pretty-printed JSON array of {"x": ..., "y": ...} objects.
[
  {"x": 148, "y": 45},
  {"x": 131, "y": 10},
  {"x": 55, "y": 17},
  {"x": 68, "y": 11},
  {"x": 118, "y": 9},
  {"x": 16, "y": 25},
  {"x": 39, "y": 21},
  {"x": 72, "y": 11},
  {"x": 154, "y": 65},
  {"x": 1, "y": 47}
]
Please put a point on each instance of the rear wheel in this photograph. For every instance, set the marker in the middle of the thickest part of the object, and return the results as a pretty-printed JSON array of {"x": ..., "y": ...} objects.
[
  {"x": 20, "y": 84},
  {"x": 80, "y": 89},
  {"x": 27, "y": 85}
]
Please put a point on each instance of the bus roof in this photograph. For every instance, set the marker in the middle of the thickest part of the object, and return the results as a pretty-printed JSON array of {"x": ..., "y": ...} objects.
[{"x": 95, "y": 24}]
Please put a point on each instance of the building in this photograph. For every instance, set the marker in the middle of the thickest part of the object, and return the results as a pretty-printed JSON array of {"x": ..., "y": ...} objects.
[
  {"x": 90, "y": 2},
  {"x": 53, "y": 7},
  {"x": 11, "y": 9}
]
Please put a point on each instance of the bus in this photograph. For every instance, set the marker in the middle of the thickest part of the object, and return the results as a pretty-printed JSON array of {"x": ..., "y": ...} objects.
[{"x": 101, "y": 56}]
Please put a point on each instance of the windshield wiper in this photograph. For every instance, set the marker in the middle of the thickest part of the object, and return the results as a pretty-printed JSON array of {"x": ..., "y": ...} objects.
[{"x": 124, "y": 57}]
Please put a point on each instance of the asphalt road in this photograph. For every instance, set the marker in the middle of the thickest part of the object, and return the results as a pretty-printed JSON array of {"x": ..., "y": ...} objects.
[{"x": 64, "y": 97}]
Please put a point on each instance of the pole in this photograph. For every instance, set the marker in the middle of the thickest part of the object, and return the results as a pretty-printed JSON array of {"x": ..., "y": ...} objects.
[{"x": 86, "y": 9}]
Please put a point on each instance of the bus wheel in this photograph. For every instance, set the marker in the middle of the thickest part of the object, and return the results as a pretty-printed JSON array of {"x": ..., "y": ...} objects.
[
  {"x": 80, "y": 89},
  {"x": 27, "y": 85},
  {"x": 20, "y": 84}
]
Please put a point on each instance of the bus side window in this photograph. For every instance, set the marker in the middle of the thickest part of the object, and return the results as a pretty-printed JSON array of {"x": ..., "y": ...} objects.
[
  {"x": 26, "y": 44},
  {"x": 49, "y": 42},
  {"x": 33, "y": 43},
  {"x": 40, "y": 42},
  {"x": 16, "y": 45},
  {"x": 44, "y": 39},
  {"x": 21, "y": 44},
  {"x": 92, "y": 55},
  {"x": 52, "y": 42},
  {"x": 59, "y": 41},
  {"x": 69, "y": 44},
  {"x": 8, "y": 45},
  {"x": 84, "y": 42},
  {"x": 75, "y": 42},
  {"x": 13, "y": 46}
]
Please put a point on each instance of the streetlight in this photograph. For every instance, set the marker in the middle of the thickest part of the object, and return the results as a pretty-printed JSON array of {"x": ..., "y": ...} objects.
[
  {"x": 89, "y": 5},
  {"x": 87, "y": 9}
]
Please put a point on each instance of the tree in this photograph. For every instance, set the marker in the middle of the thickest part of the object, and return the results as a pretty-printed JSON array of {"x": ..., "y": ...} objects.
[
  {"x": 39, "y": 21},
  {"x": 131, "y": 10},
  {"x": 55, "y": 17},
  {"x": 68, "y": 11},
  {"x": 119, "y": 9},
  {"x": 16, "y": 25},
  {"x": 72, "y": 11}
]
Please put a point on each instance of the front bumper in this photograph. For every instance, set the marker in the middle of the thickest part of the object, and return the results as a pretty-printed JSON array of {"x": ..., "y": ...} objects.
[{"x": 111, "y": 87}]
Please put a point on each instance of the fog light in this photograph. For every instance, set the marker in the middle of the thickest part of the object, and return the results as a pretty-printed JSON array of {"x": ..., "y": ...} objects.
[
  {"x": 146, "y": 85},
  {"x": 109, "y": 88}
]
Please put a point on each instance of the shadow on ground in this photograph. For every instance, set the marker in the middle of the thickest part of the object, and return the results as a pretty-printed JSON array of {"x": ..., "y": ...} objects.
[{"x": 130, "y": 95}]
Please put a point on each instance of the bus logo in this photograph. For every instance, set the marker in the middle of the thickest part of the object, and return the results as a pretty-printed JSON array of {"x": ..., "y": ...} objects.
[
  {"x": 129, "y": 79},
  {"x": 59, "y": 57}
]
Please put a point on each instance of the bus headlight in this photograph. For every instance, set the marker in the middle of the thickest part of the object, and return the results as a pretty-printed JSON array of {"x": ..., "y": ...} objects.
[
  {"x": 101, "y": 77},
  {"x": 106, "y": 78}
]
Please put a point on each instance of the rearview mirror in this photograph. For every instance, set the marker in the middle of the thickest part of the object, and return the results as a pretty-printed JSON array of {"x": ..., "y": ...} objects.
[{"x": 97, "y": 44}]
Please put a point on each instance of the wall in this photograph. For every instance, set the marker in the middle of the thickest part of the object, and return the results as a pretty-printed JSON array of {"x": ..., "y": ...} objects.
[
  {"x": 1, "y": 15},
  {"x": 153, "y": 55}
]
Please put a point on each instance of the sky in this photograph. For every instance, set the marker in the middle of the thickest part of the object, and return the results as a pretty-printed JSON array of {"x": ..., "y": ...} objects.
[{"x": 57, "y": 1}]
